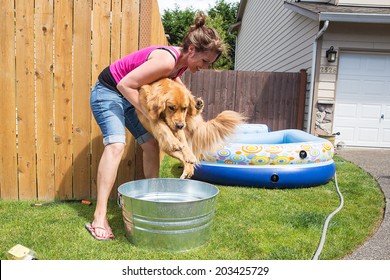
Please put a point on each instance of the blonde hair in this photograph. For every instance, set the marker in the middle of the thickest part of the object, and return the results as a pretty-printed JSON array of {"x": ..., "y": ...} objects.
[{"x": 202, "y": 37}]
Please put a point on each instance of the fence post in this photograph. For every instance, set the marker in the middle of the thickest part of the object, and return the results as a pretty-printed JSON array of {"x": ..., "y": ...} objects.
[{"x": 301, "y": 99}]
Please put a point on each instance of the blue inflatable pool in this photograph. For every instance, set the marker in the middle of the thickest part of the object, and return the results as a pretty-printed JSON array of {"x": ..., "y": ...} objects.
[{"x": 258, "y": 158}]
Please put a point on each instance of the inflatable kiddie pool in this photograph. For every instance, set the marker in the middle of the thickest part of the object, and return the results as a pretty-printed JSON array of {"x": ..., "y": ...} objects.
[{"x": 281, "y": 159}]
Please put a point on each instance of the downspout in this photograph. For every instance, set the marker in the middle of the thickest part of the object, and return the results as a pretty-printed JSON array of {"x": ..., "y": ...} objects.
[{"x": 313, "y": 74}]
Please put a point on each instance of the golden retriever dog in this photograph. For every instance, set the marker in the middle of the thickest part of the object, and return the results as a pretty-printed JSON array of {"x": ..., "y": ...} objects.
[{"x": 175, "y": 120}]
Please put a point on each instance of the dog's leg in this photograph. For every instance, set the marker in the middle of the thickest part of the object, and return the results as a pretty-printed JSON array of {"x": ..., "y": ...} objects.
[
  {"x": 165, "y": 137},
  {"x": 184, "y": 154},
  {"x": 176, "y": 141},
  {"x": 175, "y": 148},
  {"x": 188, "y": 155}
]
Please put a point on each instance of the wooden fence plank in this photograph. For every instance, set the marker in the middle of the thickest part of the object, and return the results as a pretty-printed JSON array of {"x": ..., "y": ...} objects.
[
  {"x": 81, "y": 93},
  {"x": 246, "y": 95},
  {"x": 291, "y": 99},
  {"x": 130, "y": 26},
  {"x": 256, "y": 105},
  {"x": 63, "y": 97},
  {"x": 157, "y": 29},
  {"x": 44, "y": 99},
  {"x": 100, "y": 60},
  {"x": 8, "y": 141},
  {"x": 116, "y": 10},
  {"x": 301, "y": 99},
  {"x": 130, "y": 31},
  {"x": 25, "y": 98},
  {"x": 286, "y": 101},
  {"x": 276, "y": 98},
  {"x": 228, "y": 83}
]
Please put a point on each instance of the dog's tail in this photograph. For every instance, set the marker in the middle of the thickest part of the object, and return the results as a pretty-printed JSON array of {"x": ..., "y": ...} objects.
[{"x": 206, "y": 135}]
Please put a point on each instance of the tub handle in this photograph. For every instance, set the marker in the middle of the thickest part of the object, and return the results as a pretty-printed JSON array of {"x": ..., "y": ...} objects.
[{"x": 119, "y": 200}]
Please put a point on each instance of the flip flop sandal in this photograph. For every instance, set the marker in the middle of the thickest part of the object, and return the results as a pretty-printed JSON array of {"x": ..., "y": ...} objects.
[{"x": 91, "y": 229}]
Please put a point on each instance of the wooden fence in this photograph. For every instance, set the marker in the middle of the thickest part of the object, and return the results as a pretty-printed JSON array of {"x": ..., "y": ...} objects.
[
  {"x": 51, "y": 54},
  {"x": 274, "y": 99}
]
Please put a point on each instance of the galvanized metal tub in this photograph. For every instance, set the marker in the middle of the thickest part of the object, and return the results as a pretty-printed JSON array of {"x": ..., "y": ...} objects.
[{"x": 168, "y": 214}]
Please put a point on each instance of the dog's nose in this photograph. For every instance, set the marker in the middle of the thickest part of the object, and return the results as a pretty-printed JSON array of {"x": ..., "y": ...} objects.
[{"x": 179, "y": 125}]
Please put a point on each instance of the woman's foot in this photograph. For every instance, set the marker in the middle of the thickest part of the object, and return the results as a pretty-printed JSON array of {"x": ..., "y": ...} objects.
[
  {"x": 100, "y": 229},
  {"x": 93, "y": 231}
]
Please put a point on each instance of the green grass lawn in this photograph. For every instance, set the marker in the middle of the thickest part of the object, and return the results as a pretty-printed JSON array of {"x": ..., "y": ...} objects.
[{"x": 249, "y": 224}]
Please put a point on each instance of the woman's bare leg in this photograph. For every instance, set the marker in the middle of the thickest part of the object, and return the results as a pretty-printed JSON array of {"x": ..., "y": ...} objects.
[
  {"x": 107, "y": 171},
  {"x": 151, "y": 158}
]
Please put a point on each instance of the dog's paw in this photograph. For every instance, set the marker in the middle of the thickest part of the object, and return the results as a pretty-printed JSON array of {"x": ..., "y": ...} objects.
[
  {"x": 188, "y": 171},
  {"x": 199, "y": 103}
]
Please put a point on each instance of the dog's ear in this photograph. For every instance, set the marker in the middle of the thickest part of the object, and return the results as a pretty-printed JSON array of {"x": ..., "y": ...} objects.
[
  {"x": 144, "y": 92},
  {"x": 144, "y": 96},
  {"x": 154, "y": 102}
]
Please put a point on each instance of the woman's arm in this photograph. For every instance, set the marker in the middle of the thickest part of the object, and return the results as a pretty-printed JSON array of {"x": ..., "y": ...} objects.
[{"x": 159, "y": 65}]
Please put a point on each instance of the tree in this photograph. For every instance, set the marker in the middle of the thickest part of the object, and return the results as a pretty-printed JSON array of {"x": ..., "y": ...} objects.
[
  {"x": 223, "y": 15},
  {"x": 176, "y": 23}
]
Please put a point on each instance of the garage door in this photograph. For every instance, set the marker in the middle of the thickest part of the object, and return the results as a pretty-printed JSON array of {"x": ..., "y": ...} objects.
[{"x": 362, "y": 111}]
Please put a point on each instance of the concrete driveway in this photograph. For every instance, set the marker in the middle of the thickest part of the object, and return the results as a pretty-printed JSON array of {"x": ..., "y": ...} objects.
[{"x": 377, "y": 163}]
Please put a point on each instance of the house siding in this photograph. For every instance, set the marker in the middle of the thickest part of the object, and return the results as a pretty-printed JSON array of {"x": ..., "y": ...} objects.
[
  {"x": 274, "y": 39},
  {"x": 344, "y": 37}
]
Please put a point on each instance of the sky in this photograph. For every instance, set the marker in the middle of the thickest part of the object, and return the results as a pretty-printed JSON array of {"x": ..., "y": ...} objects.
[{"x": 196, "y": 4}]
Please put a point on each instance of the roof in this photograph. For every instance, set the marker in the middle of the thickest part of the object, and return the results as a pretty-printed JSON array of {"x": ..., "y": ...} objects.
[{"x": 323, "y": 12}]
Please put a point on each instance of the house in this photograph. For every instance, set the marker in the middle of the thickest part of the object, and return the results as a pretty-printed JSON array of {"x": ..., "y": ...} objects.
[{"x": 345, "y": 47}]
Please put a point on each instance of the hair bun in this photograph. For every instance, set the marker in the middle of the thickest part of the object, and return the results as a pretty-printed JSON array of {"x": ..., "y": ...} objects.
[
  {"x": 203, "y": 38},
  {"x": 200, "y": 20}
]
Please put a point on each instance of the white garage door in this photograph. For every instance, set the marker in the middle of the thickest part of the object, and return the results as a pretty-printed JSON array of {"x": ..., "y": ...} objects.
[{"x": 362, "y": 111}]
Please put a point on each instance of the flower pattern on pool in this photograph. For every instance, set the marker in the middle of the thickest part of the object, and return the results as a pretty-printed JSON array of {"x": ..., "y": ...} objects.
[{"x": 266, "y": 154}]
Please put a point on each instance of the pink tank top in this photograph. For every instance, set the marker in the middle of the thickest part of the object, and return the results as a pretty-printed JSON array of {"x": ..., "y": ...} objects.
[{"x": 123, "y": 66}]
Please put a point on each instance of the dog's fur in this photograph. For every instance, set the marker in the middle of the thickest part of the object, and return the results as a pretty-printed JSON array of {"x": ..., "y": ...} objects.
[{"x": 175, "y": 120}]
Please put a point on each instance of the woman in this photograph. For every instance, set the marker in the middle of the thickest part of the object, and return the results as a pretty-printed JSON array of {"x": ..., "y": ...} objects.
[{"x": 115, "y": 97}]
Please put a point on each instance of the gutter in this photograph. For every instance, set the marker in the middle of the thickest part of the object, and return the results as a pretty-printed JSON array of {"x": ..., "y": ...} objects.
[
  {"x": 313, "y": 74},
  {"x": 338, "y": 15},
  {"x": 348, "y": 17},
  {"x": 234, "y": 27}
]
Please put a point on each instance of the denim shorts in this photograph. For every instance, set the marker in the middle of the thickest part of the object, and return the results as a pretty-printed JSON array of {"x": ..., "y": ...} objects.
[{"x": 113, "y": 113}]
